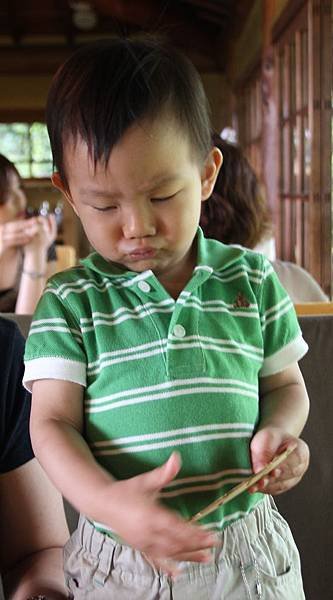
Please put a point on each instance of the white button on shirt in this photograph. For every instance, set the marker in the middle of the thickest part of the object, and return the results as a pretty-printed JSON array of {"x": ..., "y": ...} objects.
[
  {"x": 179, "y": 331},
  {"x": 144, "y": 286}
]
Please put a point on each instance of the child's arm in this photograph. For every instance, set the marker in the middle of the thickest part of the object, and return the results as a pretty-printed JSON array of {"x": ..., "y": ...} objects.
[
  {"x": 129, "y": 506},
  {"x": 284, "y": 407}
]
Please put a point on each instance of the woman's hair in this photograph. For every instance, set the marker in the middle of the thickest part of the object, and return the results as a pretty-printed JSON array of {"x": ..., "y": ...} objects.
[
  {"x": 236, "y": 212},
  {"x": 107, "y": 86},
  {"x": 6, "y": 169}
]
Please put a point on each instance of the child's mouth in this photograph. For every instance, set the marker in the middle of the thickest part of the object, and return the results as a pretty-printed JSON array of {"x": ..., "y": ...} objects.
[{"x": 141, "y": 254}]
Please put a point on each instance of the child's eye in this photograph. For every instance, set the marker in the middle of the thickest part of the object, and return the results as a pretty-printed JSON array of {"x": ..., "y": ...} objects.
[
  {"x": 104, "y": 208},
  {"x": 162, "y": 199}
]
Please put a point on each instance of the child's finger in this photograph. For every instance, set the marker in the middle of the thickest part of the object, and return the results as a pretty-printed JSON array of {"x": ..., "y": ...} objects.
[
  {"x": 260, "y": 486},
  {"x": 171, "y": 566},
  {"x": 153, "y": 481},
  {"x": 279, "y": 487},
  {"x": 281, "y": 479},
  {"x": 200, "y": 556},
  {"x": 179, "y": 546},
  {"x": 178, "y": 538},
  {"x": 198, "y": 542},
  {"x": 297, "y": 463},
  {"x": 168, "y": 566}
]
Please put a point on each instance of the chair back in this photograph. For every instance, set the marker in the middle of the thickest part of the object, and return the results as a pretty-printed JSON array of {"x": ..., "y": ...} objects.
[
  {"x": 314, "y": 308},
  {"x": 308, "y": 507},
  {"x": 66, "y": 257},
  {"x": 298, "y": 282}
]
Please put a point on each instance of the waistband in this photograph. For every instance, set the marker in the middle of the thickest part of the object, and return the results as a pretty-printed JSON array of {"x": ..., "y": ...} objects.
[{"x": 234, "y": 544}]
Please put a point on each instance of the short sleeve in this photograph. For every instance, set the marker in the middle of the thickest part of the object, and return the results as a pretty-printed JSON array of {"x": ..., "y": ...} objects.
[
  {"x": 15, "y": 401},
  {"x": 282, "y": 337},
  {"x": 54, "y": 348}
]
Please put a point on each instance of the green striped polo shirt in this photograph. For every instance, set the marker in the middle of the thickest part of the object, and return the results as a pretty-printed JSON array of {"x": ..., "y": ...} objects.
[{"x": 161, "y": 374}]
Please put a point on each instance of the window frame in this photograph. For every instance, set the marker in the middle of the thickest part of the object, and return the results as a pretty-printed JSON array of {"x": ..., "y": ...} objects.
[
  {"x": 249, "y": 118},
  {"x": 304, "y": 224},
  {"x": 28, "y": 116}
]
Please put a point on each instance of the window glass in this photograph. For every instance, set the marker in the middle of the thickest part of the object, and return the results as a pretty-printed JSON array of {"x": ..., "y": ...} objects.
[{"x": 27, "y": 146}]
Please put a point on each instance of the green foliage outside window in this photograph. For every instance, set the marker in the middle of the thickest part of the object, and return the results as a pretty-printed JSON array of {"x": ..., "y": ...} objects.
[{"x": 27, "y": 146}]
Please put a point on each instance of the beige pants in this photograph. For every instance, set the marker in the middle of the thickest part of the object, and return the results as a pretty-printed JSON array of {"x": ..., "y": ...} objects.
[{"x": 257, "y": 559}]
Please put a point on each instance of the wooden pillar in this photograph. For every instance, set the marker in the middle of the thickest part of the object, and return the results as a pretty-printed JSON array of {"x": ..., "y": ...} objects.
[
  {"x": 320, "y": 72},
  {"x": 269, "y": 114}
]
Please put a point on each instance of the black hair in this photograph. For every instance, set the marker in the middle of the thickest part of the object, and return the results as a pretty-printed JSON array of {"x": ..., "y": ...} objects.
[
  {"x": 106, "y": 86},
  {"x": 6, "y": 169},
  {"x": 237, "y": 211}
]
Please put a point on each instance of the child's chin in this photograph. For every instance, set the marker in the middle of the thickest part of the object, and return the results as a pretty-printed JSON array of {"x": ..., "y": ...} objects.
[{"x": 140, "y": 266}]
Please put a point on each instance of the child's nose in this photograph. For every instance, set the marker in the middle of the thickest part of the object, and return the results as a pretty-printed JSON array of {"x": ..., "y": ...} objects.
[{"x": 139, "y": 222}]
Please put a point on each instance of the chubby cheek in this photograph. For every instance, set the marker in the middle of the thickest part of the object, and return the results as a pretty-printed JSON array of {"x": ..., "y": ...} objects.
[
  {"x": 102, "y": 238},
  {"x": 186, "y": 227}
]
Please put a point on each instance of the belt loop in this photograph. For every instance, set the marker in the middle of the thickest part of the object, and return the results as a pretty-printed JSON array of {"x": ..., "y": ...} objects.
[
  {"x": 80, "y": 529},
  {"x": 105, "y": 563}
]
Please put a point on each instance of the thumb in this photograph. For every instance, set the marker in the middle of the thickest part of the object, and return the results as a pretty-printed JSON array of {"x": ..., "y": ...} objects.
[
  {"x": 155, "y": 480},
  {"x": 264, "y": 447}
]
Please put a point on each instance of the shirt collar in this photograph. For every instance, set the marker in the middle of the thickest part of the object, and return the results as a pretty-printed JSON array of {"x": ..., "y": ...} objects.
[
  {"x": 215, "y": 254},
  {"x": 96, "y": 262}
]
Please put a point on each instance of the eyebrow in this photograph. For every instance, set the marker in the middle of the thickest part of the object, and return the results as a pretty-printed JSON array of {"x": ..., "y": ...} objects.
[
  {"x": 155, "y": 183},
  {"x": 98, "y": 193},
  {"x": 162, "y": 180}
]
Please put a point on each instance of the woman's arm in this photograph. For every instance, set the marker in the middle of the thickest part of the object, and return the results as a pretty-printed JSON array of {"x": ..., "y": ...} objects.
[
  {"x": 33, "y": 530},
  {"x": 35, "y": 268},
  {"x": 51, "y": 268}
]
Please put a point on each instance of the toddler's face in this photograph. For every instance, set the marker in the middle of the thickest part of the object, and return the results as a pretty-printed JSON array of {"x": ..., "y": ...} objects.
[{"x": 142, "y": 210}]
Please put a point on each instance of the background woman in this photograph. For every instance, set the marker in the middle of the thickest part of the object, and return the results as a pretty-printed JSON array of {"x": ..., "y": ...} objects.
[
  {"x": 25, "y": 259},
  {"x": 237, "y": 213}
]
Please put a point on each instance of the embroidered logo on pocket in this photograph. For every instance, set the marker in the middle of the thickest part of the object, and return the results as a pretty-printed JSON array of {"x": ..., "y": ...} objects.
[{"x": 241, "y": 301}]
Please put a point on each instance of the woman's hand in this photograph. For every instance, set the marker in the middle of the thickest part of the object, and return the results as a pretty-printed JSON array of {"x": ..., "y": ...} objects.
[
  {"x": 15, "y": 234},
  {"x": 33, "y": 234},
  {"x": 267, "y": 443},
  {"x": 43, "y": 232}
]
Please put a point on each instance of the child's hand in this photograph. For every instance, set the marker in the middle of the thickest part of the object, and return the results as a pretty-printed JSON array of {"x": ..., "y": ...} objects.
[
  {"x": 267, "y": 443},
  {"x": 146, "y": 525}
]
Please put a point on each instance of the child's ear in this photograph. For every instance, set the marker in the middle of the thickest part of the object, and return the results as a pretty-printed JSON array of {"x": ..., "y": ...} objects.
[
  {"x": 58, "y": 183},
  {"x": 210, "y": 172}
]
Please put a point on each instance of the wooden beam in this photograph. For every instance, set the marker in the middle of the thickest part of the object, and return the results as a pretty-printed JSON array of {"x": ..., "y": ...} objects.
[
  {"x": 21, "y": 115},
  {"x": 15, "y": 28},
  {"x": 38, "y": 60},
  {"x": 224, "y": 9},
  {"x": 292, "y": 8},
  {"x": 176, "y": 22}
]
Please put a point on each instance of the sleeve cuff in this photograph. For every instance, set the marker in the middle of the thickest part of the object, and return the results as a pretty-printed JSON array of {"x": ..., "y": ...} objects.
[
  {"x": 282, "y": 359},
  {"x": 54, "y": 368}
]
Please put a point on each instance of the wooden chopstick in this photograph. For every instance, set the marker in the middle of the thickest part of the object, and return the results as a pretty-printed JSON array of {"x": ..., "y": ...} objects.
[{"x": 244, "y": 485}]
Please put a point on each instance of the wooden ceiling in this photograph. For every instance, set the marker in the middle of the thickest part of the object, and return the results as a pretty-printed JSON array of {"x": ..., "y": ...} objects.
[{"x": 36, "y": 35}]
